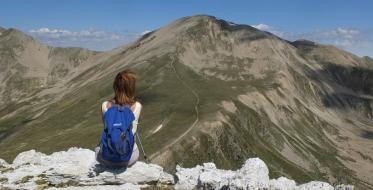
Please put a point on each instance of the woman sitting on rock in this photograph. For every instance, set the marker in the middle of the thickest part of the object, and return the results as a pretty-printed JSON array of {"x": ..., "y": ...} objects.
[{"x": 118, "y": 147}]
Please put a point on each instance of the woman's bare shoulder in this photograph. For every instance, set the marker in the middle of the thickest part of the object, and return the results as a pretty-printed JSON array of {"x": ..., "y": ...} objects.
[
  {"x": 136, "y": 107},
  {"x": 138, "y": 104},
  {"x": 106, "y": 105}
]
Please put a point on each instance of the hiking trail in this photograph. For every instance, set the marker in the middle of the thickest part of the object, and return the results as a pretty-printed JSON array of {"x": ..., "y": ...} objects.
[{"x": 195, "y": 94}]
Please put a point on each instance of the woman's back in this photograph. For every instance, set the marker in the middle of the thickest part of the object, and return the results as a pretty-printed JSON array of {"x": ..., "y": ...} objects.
[
  {"x": 136, "y": 109},
  {"x": 118, "y": 147}
]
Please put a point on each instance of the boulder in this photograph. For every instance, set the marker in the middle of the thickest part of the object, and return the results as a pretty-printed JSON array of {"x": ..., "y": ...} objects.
[
  {"x": 315, "y": 185},
  {"x": 282, "y": 183}
]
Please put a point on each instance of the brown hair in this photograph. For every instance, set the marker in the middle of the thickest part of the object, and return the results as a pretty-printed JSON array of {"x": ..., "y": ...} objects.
[{"x": 124, "y": 87}]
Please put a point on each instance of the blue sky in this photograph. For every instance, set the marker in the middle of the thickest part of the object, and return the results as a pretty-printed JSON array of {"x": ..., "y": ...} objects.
[{"x": 105, "y": 24}]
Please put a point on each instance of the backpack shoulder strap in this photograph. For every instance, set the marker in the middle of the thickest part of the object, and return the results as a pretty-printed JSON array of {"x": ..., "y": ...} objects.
[
  {"x": 106, "y": 105},
  {"x": 110, "y": 104}
]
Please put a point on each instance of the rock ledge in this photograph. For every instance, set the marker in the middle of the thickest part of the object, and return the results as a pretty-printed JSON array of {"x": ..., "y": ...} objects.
[{"x": 76, "y": 169}]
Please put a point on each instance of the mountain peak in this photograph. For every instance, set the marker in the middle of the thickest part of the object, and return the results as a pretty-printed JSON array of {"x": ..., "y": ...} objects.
[
  {"x": 303, "y": 42},
  {"x": 202, "y": 16},
  {"x": 16, "y": 34},
  {"x": 212, "y": 19},
  {"x": 368, "y": 58},
  {"x": 195, "y": 28},
  {"x": 14, "y": 31}
]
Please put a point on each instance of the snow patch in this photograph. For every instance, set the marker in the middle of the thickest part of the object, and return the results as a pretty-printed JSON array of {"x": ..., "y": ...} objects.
[{"x": 158, "y": 128}]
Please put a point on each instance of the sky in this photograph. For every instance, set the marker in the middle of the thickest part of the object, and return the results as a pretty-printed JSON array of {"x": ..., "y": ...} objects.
[{"x": 106, "y": 24}]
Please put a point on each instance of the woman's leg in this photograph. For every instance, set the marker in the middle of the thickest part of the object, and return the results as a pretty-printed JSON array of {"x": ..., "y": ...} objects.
[
  {"x": 97, "y": 150},
  {"x": 134, "y": 156}
]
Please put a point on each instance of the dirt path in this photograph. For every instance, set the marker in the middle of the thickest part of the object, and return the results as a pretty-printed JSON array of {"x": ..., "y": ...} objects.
[{"x": 195, "y": 108}]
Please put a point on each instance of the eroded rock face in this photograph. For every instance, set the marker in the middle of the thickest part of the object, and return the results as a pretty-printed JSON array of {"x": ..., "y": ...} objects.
[
  {"x": 315, "y": 185},
  {"x": 282, "y": 183},
  {"x": 77, "y": 168},
  {"x": 253, "y": 174},
  {"x": 3, "y": 163}
]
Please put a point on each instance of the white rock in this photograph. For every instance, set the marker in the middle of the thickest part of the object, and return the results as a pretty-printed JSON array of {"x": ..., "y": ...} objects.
[
  {"x": 315, "y": 185},
  {"x": 209, "y": 166},
  {"x": 238, "y": 183},
  {"x": 142, "y": 172},
  {"x": 255, "y": 173},
  {"x": 126, "y": 186},
  {"x": 215, "y": 179},
  {"x": 19, "y": 173},
  {"x": 139, "y": 173},
  {"x": 75, "y": 161},
  {"x": 28, "y": 157},
  {"x": 344, "y": 187},
  {"x": 3, "y": 163},
  {"x": 187, "y": 177},
  {"x": 282, "y": 183},
  {"x": 166, "y": 178},
  {"x": 78, "y": 166}
]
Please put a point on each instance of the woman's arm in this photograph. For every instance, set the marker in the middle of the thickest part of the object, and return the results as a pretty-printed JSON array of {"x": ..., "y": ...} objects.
[
  {"x": 136, "y": 112},
  {"x": 104, "y": 107}
]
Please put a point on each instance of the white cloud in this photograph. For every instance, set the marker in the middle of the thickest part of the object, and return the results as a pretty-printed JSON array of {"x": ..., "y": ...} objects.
[
  {"x": 91, "y": 38},
  {"x": 145, "y": 32},
  {"x": 262, "y": 26},
  {"x": 268, "y": 28},
  {"x": 354, "y": 40},
  {"x": 351, "y": 39},
  {"x": 346, "y": 31},
  {"x": 340, "y": 37}
]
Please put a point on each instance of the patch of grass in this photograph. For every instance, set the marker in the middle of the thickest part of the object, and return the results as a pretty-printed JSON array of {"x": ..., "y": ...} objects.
[
  {"x": 154, "y": 187},
  {"x": 3, "y": 180},
  {"x": 43, "y": 175},
  {"x": 69, "y": 183},
  {"x": 4, "y": 169},
  {"x": 25, "y": 179},
  {"x": 9, "y": 123},
  {"x": 42, "y": 182}
]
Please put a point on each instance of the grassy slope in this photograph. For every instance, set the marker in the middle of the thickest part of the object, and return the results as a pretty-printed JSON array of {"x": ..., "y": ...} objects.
[{"x": 76, "y": 119}]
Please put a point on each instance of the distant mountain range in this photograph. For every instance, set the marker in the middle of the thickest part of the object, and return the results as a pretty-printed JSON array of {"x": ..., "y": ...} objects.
[{"x": 212, "y": 90}]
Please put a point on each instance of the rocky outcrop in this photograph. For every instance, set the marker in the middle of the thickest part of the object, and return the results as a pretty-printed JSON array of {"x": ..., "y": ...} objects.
[{"x": 76, "y": 168}]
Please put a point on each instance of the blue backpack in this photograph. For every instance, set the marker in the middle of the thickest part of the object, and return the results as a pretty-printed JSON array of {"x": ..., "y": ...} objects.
[{"x": 117, "y": 140}]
